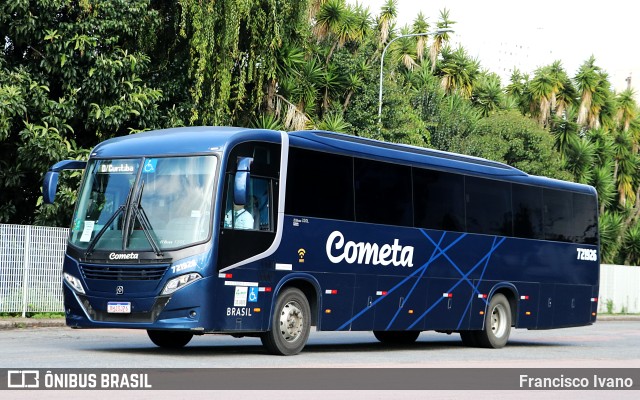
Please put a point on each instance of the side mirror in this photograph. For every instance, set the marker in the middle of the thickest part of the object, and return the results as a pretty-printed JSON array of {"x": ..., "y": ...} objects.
[
  {"x": 50, "y": 184},
  {"x": 243, "y": 174},
  {"x": 50, "y": 187}
]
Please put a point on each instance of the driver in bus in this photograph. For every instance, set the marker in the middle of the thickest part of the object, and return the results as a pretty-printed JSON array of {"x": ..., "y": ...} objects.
[{"x": 238, "y": 218}]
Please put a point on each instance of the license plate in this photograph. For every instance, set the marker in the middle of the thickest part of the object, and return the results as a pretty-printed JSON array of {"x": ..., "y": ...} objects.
[{"x": 119, "y": 307}]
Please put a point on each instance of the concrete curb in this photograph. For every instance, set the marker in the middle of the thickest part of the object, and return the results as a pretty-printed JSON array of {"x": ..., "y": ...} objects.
[
  {"x": 618, "y": 317},
  {"x": 24, "y": 323}
]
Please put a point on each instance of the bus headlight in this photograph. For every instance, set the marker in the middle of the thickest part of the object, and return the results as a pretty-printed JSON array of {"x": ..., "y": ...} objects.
[
  {"x": 180, "y": 282},
  {"x": 73, "y": 282}
]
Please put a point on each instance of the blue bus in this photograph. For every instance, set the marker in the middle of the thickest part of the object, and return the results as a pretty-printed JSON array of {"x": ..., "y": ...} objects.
[{"x": 252, "y": 232}]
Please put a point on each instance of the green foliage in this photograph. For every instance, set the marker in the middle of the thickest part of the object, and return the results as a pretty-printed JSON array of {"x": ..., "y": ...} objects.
[
  {"x": 516, "y": 140},
  {"x": 233, "y": 47},
  {"x": 334, "y": 122},
  {"x": 72, "y": 74},
  {"x": 632, "y": 245},
  {"x": 610, "y": 227}
]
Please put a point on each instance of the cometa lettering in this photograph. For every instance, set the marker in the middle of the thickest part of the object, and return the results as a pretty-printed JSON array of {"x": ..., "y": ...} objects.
[
  {"x": 126, "y": 256},
  {"x": 368, "y": 253}
]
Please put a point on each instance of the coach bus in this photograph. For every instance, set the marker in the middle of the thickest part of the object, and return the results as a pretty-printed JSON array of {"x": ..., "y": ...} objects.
[{"x": 252, "y": 232}]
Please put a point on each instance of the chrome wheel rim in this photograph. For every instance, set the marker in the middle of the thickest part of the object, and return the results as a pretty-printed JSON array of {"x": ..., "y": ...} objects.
[
  {"x": 499, "y": 321},
  {"x": 291, "y": 321}
]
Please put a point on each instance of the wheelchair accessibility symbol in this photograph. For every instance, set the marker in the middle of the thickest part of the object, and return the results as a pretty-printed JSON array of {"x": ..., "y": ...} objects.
[
  {"x": 253, "y": 294},
  {"x": 150, "y": 166}
]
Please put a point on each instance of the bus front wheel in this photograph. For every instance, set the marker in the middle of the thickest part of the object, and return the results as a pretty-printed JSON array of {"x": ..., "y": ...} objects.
[
  {"x": 290, "y": 325},
  {"x": 497, "y": 323},
  {"x": 169, "y": 339}
]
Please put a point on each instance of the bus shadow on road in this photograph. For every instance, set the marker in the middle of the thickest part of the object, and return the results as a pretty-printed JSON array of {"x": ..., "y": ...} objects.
[{"x": 252, "y": 346}]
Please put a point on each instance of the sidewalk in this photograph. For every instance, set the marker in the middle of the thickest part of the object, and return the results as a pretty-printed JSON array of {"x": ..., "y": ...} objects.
[{"x": 23, "y": 323}]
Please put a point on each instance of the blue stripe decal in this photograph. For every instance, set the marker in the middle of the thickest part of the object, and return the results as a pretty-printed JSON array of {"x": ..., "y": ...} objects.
[
  {"x": 484, "y": 259},
  {"x": 419, "y": 270},
  {"x": 435, "y": 251},
  {"x": 475, "y": 288}
]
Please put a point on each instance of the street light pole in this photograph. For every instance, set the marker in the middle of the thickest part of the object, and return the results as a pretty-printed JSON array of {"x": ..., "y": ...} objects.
[{"x": 384, "y": 51}]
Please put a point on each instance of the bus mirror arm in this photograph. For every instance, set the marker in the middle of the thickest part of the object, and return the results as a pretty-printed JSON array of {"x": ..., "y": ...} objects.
[
  {"x": 243, "y": 174},
  {"x": 50, "y": 184}
]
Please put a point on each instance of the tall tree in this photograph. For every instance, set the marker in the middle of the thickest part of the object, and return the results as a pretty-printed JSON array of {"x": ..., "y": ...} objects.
[
  {"x": 440, "y": 39},
  {"x": 73, "y": 73},
  {"x": 234, "y": 49},
  {"x": 387, "y": 17},
  {"x": 458, "y": 71}
]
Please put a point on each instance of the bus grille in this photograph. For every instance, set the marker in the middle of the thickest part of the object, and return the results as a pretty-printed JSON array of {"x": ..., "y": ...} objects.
[{"x": 138, "y": 273}]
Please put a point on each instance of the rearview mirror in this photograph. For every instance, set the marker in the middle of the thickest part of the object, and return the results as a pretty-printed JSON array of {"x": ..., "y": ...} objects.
[
  {"x": 50, "y": 184},
  {"x": 243, "y": 174}
]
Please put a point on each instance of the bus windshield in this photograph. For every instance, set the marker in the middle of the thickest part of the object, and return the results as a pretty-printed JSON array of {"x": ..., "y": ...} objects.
[{"x": 149, "y": 204}]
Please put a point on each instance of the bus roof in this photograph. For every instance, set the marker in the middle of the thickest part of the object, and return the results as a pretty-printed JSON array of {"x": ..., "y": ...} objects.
[{"x": 207, "y": 139}]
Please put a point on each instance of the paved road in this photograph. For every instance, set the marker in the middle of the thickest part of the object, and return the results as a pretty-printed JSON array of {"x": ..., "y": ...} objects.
[
  {"x": 609, "y": 344},
  {"x": 605, "y": 344}
]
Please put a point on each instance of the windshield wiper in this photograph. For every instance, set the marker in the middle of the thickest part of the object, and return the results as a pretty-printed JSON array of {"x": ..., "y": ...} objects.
[
  {"x": 120, "y": 210},
  {"x": 140, "y": 215}
]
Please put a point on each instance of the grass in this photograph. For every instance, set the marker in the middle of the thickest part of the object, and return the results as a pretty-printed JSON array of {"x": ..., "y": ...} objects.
[{"x": 34, "y": 315}]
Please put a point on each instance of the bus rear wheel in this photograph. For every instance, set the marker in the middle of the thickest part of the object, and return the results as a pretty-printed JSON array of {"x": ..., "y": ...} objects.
[
  {"x": 396, "y": 337},
  {"x": 497, "y": 324},
  {"x": 290, "y": 325},
  {"x": 169, "y": 339}
]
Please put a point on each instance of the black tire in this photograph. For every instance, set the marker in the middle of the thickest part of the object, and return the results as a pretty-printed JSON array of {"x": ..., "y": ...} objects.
[
  {"x": 290, "y": 324},
  {"x": 396, "y": 337},
  {"x": 469, "y": 338},
  {"x": 497, "y": 324},
  {"x": 170, "y": 339}
]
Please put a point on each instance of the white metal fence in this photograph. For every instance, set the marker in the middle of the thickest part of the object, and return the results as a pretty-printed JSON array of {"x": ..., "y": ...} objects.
[
  {"x": 31, "y": 268},
  {"x": 619, "y": 289},
  {"x": 31, "y": 263}
]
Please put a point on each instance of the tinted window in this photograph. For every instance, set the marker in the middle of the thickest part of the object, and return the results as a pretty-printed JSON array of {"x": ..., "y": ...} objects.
[
  {"x": 558, "y": 215},
  {"x": 527, "y": 211},
  {"x": 488, "y": 206},
  {"x": 383, "y": 193},
  {"x": 585, "y": 214},
  {"x": 438, "y": 199},
  {"x": 319, "y": 185}
]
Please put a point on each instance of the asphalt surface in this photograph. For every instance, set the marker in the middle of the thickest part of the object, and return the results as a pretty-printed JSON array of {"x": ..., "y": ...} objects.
[{"x": 24, "y": 323}]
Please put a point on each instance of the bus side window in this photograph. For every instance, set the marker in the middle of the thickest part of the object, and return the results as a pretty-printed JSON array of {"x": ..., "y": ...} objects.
[{"x": 256, "y": 214}]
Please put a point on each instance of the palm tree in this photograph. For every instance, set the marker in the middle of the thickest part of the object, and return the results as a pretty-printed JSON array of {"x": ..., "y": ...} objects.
[
  {"x": 487, "y": 93},
  {"x": 388, "y": 14},
  {"x": 518, "y": 88},
  {"x": 337, "y": 22},
  {"x": 632, "y": 245},
  {"x": 610, "y": 227},
  {"x": 587, "y": 81},
  {"x": 441, "y": 38},
  {"x": 579, "y": 161},
  {"x": 541, "y": 88},
  {"x": 420, "y": 25},
  {"x": 334, "y": 122},
  {"x": 404, "y": 51},
  {"x": 458, "y": 71},
  {"x": 328, "y": 18},
  {"x": 627, "y": 108},
  {"x": 565, "y": 132},
  {"x": 353, "y": 83},
  {"x": 602, "y": 180},
  {"x": 331, "y": 83},
  {"x": 624, "y": 167}
]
